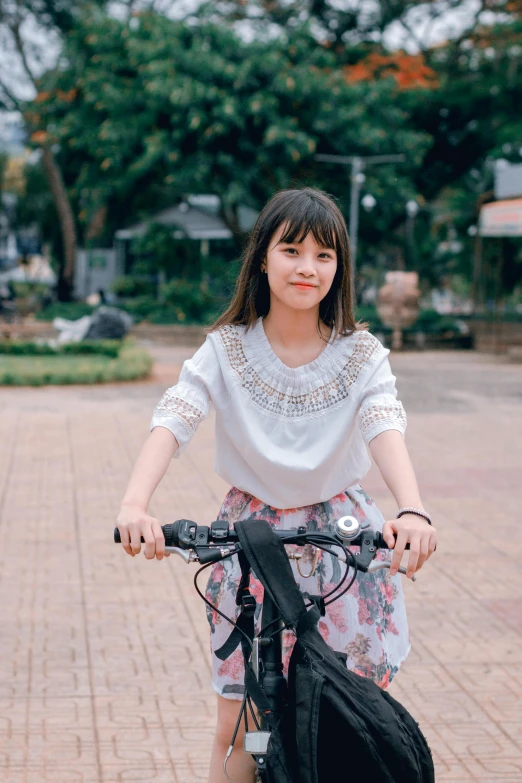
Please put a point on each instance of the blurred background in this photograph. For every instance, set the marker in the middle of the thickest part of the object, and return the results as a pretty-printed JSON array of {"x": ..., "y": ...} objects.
[{"x": 139, "y": 140}]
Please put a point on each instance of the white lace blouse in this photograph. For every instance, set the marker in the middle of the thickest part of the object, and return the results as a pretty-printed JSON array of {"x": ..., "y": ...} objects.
[{"x": 290, "y": 437}]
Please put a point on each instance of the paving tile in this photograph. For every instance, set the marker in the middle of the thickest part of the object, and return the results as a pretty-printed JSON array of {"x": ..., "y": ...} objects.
[{"x": 105, "y": 674}]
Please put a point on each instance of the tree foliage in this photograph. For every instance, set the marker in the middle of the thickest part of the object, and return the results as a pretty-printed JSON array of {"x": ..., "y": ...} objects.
[
  {"x": 143, "y": 109},
  {"x": 26, "y": 58},
  {"x": 350, "y": 27},
  {"x": 147, "y": 112}
]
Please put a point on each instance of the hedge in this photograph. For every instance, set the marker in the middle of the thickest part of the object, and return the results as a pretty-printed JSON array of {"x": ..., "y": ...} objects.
[
  {"x": 131, "y": 364},
  {"x": 25, "y": 348}
]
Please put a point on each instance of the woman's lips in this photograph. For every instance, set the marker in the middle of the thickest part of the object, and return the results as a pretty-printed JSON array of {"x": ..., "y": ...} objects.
[{"x": 305, "y": 286}]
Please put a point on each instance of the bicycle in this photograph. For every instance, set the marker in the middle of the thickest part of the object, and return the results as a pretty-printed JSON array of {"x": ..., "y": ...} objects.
[{"x": 210, "y": 544}]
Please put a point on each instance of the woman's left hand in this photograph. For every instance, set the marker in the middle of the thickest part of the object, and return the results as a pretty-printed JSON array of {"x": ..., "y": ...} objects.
[{"x": 415, "y": 531}]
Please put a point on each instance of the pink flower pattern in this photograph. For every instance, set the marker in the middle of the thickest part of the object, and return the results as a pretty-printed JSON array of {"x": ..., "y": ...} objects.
[{"x": 368, "y": 623}]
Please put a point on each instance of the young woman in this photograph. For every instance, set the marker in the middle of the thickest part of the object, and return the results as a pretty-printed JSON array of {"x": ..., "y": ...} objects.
[{"x": 299, "y": 390}]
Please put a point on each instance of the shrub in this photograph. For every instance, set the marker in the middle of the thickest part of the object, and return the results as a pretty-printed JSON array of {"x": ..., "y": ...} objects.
[
  {"x": 131, "y": 286},
  {"x": 31, "y": 297},
  {"x": 69, "y": 310},
  {"x": 182, "y": 302},
  {"x": 429, "y": 322},
  {"x": 368, "y": 314},
  {"x": 140, "y": 307},
  {"x": 132, "y": 363},
  {"x": 23, "y": 288},
  {"x": 23, "y": 348},
  {"x": 190, "y": 299}
]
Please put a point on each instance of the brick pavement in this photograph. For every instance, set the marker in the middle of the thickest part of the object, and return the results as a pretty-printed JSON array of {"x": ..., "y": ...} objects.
[{"x": 104, "y": 672}]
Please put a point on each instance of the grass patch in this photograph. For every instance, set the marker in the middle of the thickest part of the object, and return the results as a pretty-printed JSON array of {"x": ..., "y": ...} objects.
[{"x": 130, "y": 364}]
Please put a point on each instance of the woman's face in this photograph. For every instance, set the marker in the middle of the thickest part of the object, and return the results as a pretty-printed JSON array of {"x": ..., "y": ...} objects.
[{"x": 299, "y": 274}]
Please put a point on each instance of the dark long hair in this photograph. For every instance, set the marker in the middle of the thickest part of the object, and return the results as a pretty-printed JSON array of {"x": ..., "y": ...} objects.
[{"x": 302, "y": 211}]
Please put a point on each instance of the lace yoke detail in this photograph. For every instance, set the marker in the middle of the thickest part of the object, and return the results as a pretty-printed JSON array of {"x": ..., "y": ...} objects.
[
  {"x": 287, "y": 402},
  {"x": 188, "y": 414}
]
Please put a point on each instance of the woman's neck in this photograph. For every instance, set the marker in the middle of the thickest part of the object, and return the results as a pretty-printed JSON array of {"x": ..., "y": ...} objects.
[{"x": 294, "y": 328}]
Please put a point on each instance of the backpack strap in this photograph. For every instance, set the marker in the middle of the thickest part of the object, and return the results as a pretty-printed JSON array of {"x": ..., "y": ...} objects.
[
  {"x": 318, "y": 601},
  {"x": 264, "y": 553},
  {"x": 308, "y": 620},
  {"x": 268, "y": 559},
  {"x": 245, "y": 621}
]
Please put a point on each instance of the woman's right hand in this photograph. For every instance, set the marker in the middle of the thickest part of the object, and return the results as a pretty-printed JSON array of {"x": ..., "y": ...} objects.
[{"x": 133, "y": 523}]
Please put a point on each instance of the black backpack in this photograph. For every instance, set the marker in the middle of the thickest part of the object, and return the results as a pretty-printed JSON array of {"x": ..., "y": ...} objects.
[{"x": 337, "y": 725}]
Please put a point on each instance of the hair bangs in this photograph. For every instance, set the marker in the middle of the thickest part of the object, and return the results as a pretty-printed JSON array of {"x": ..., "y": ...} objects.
[{"x": 314, "y": 218}]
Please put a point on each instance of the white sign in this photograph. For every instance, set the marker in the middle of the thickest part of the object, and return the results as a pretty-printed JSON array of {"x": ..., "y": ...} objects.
[
  {"x": 508, "y": 180},
  {"x": 501, "y": 219}
]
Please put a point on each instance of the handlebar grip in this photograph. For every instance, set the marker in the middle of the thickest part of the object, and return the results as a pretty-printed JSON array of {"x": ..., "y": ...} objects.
[{"x": 169, "y": 531}]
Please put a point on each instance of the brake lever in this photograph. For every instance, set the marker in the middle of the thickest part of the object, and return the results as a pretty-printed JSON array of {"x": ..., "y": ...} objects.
[
  {"x": 378, "y": 565},
  {"x": 186, "y": 554},
  {"x": 203, "y": 554}
]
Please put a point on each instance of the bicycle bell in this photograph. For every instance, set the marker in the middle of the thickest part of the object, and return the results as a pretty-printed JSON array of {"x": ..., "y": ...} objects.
[{"x": 348, "y": 528}]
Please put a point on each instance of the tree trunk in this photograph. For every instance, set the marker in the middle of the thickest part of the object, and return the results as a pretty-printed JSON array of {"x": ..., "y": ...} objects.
[{"x": 67, "y": 224}]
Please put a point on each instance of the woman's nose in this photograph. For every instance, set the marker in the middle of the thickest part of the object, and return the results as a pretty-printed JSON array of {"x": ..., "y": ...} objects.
[{"x": 306, "y": 266}]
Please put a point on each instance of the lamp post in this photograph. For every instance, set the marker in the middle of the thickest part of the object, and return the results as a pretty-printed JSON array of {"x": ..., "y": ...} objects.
[
  {"x": 412, "y": 210},
  {"x": 357, "y": 176},
  {"x": 476, "y": 288}
]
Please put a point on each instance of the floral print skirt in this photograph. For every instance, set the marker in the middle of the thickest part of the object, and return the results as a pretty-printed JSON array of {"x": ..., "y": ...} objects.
[{"x": 368, "y": 623}]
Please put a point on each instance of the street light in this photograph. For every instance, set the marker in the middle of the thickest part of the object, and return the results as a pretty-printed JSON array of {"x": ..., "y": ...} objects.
[
  {"x": 369, "y": 202},
  {"x": 412, "y": 208},
  {"x": 357, "y": 163}
]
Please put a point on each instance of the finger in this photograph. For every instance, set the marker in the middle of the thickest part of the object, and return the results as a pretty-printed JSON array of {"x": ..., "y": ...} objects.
[
  {"x": 159, "y": 539},
  {"x": 388, "y": 534},
  {"x": 424, "y": 550},
  {"x": 125, "y": 540},
  {"x": 415, "y": 543},
  {"x": 398, "y": 551},
  {"x": 149, "y": 550},
  {"x": 135, "y": 539},
  {"x": 433, "y": 543}
]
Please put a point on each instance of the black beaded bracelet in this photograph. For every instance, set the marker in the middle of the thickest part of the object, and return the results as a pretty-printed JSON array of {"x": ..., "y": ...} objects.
[{"x": 415, "y": 511}]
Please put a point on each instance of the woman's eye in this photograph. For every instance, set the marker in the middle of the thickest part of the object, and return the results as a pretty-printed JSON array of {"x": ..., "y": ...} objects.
[{"x": 322, "y": 256}]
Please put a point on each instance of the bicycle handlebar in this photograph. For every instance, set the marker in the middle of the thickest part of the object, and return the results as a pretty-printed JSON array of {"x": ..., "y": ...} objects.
[
  {"x": 206, "y": 544},
  {"x": 188, "y": 535}
]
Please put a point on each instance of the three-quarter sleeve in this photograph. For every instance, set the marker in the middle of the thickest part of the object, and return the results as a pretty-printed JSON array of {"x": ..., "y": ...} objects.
[
  {"x": 379, "y": 409},
  {"x": 184, "y": 406}
]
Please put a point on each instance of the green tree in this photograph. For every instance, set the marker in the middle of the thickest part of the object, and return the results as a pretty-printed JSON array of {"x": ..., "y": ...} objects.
[
  {"x": 54, "y": 19},
  {"x": 144, "y": 110},
  {"x": 463, "y": 93},
  {"x": 351, "y": 28},
  {"x": 159, "y": 108}
]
